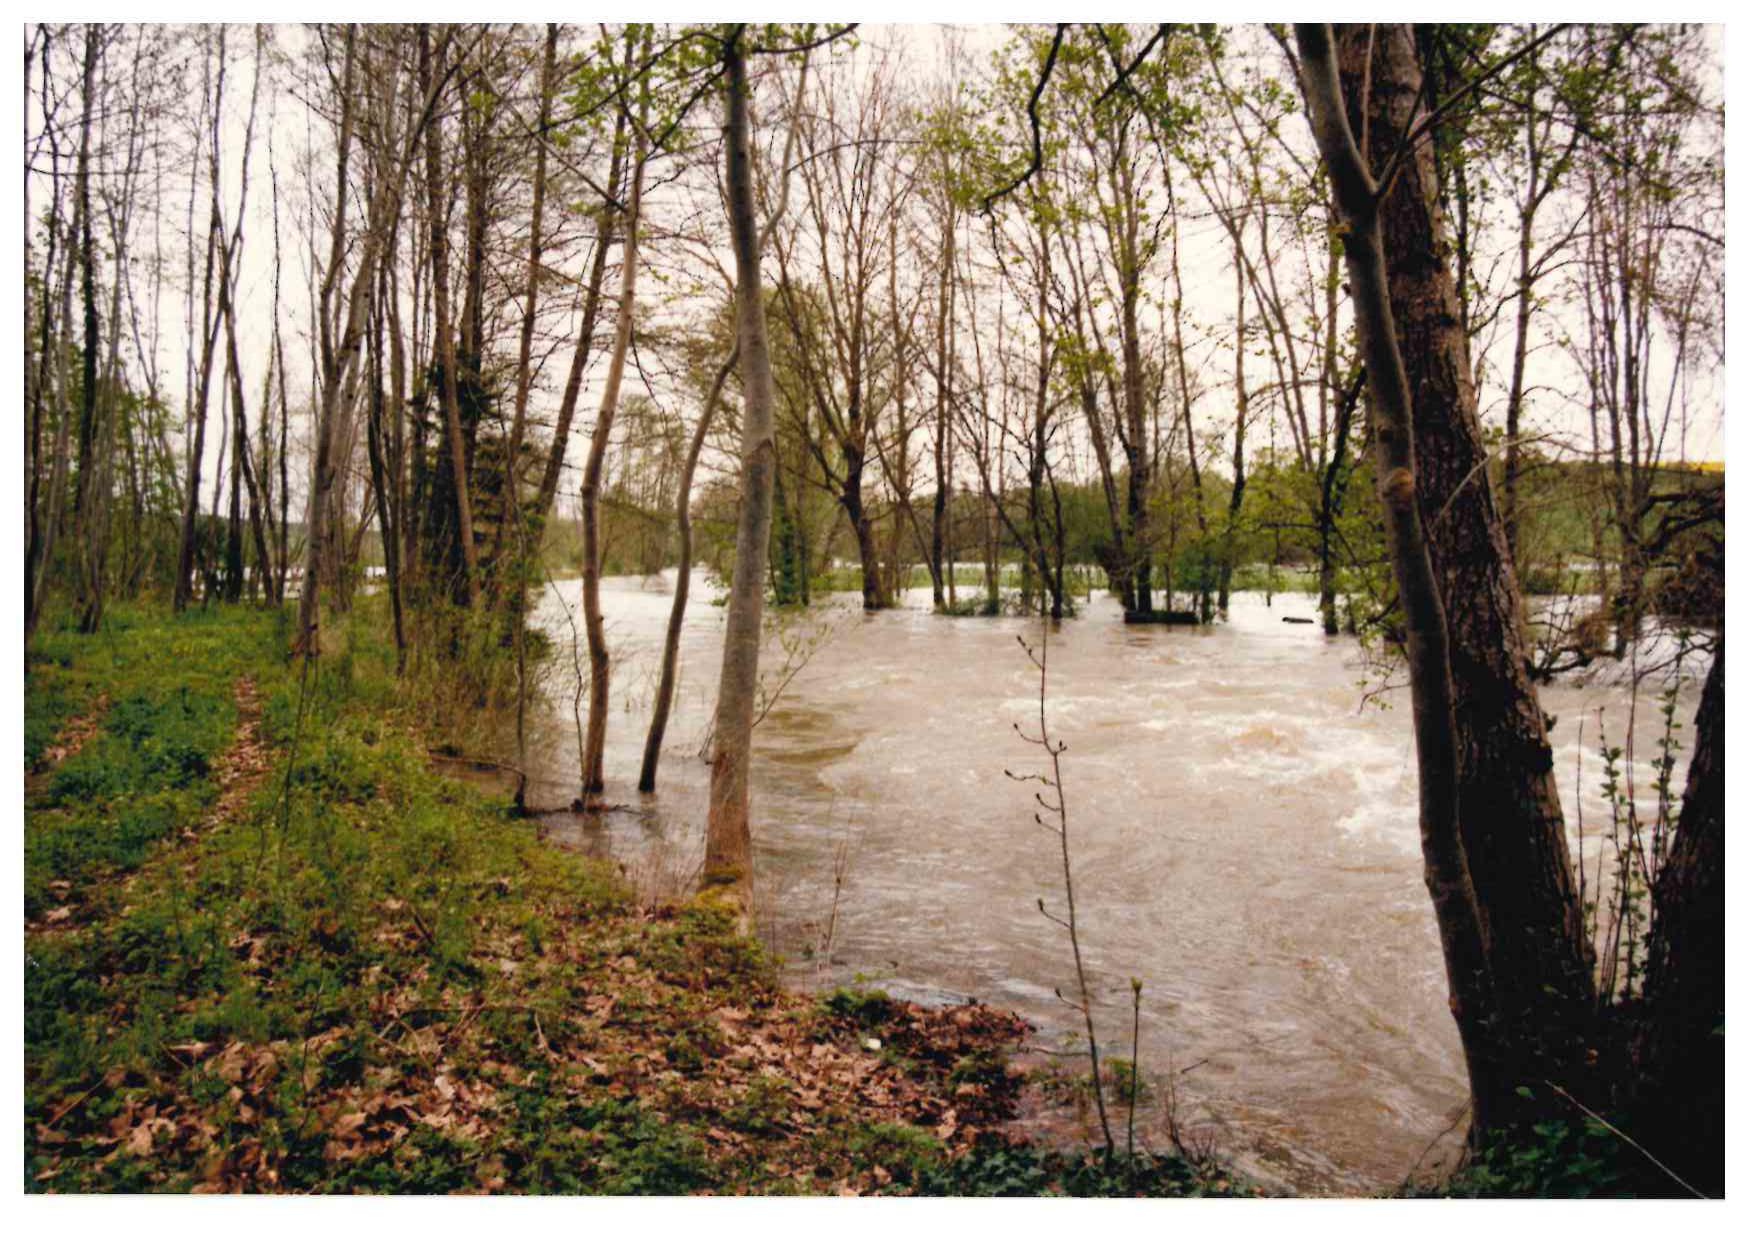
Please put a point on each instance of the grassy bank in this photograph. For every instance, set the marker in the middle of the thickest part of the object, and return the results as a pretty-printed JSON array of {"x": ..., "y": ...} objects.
[{"x": 268, "y": 949}]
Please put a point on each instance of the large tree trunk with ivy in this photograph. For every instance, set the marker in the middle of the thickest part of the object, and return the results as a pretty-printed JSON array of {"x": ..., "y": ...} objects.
[{"x": 1512, "y": 825}]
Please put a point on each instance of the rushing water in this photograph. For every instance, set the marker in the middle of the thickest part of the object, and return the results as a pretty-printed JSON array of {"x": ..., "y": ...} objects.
[{"x": 1243, "y": 830}]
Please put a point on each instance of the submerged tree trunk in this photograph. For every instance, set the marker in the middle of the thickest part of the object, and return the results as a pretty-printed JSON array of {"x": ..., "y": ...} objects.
[
  {"x": 664, "y": 699},
  {"x": 1241, "y": 415},
  {"x": 594, "y": 627},
  {"x": 728, "y": 835}
]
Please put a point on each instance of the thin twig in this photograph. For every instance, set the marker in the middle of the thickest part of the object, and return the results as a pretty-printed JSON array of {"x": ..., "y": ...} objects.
[{"x": 1655, "y": 1161}]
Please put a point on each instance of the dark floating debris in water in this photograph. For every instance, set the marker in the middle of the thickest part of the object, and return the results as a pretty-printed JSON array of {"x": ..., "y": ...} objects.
[{"x": 1297, "y": 620}]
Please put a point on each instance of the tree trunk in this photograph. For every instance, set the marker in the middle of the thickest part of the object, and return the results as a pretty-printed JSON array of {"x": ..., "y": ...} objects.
[
  {"x": 337, "y": 356},
  {"x": 1186, "y": 404},
  {"x": 873, "y": 596},
  {"x": 1513, "y": 828},
  {"x": 389, "y": 513},
  {"x": 240, "y": 465},
  {"x": 938, "y": 567},
  {"x": 190, "y": 535},
  {"x": 446, "y": 350},
  {"x": 86, "y": 499},
  {"x": 1241, "y": 403},
  {"x": 1140, "y": 476},
  {"x": 43, "y": 518},
  {"x": 1331, "y": 498},
  {"x": 573, "y": 385},
  {"x": 728, "y": 836},
  {"x": 664, "y": 699},
  {"x": 322, "y": 482},
  {"x": 1461, "y": 934},
  {"x": 525, "y": 347},
  {"x": 594, "y": 627},
  {"x": 1680, "y": 1047}
]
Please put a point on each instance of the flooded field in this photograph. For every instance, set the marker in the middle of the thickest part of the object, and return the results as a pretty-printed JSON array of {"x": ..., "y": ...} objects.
[{"x": 1243, "y": 827}]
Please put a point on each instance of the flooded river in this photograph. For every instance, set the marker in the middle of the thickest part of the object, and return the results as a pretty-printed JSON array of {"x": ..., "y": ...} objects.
[{"x": 1244, "y": 843}]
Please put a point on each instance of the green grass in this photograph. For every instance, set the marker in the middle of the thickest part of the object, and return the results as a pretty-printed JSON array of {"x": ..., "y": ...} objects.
[
  {"x": 361, "y": 977},
  {"x": 147, "y": 769},
  {"x": 1552, "y": 1160},
  {"x": 287, "y": 935},
  {"x": 997, "y": 1169}
]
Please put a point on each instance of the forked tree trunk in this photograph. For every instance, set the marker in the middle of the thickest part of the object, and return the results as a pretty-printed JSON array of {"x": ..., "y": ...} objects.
[
  {"x": 1447, "y": 872},
  {"x": 573, "y": 385},
  {"x": 1513, "y": 828},
  {"x": 728, "y": 835},
  {"x": 594, "y": 628}
]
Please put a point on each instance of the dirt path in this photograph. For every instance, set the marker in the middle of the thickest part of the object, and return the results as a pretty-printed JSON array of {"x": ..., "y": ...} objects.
[
  {"x": 242, "y": 766},
  {"x": 237, "y": 772},
  {"x": 73, "y": 736}
]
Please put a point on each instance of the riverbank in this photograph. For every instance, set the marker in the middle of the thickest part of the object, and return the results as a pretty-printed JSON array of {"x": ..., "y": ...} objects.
[{"x": 269, "y": 949}]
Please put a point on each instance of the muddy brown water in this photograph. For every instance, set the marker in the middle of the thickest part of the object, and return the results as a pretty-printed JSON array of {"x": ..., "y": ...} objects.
[{"x": 1243, "y": 834}]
